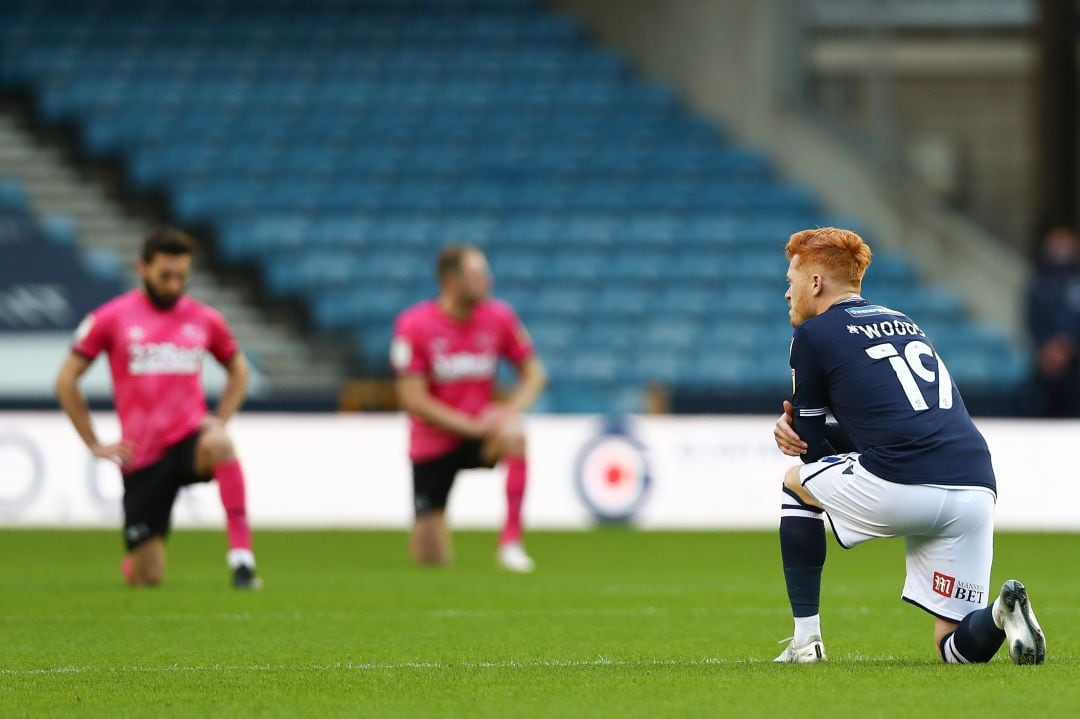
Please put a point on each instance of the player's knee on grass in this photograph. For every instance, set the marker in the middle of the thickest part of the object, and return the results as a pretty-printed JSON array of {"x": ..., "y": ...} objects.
[
  {"x": 149, "y": 578},
  {"x": 148, "y": 563}
]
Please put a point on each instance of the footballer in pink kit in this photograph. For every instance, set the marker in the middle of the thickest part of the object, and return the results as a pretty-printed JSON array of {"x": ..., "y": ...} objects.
[
  {"x": 156, "y": 339},
  {"x": 446, "y": 353}
]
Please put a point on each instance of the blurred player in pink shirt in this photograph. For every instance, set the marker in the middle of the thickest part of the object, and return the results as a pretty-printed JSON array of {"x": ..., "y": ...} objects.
[
  {"x": 446, "y": 352},
  {"x": 156, "y": 339}
]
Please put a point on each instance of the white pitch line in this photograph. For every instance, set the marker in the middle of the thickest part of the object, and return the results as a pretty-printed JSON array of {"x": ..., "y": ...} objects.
[
  {"x": 854, "y": 658},
  {"x": 372, "y": 666},
  {"x": 448, "y": 613}
]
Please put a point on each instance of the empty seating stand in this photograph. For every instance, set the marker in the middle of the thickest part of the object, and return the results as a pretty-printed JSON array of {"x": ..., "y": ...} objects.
[{"x": 335, "y": 145}]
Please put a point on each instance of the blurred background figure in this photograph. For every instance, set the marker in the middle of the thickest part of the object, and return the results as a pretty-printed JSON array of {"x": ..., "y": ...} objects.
[
  {"x": 446, "y": 353},
  {"x": 1053, "y": 313}
]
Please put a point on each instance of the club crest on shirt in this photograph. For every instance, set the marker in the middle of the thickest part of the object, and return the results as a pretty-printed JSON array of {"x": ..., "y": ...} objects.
[
  {"x": 136, "y": 334},
  {"x": 194, "y": 333}
]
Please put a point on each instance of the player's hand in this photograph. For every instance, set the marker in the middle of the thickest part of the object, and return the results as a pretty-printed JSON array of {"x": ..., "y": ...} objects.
[
  {"x": 120, "y": 453},
  {"x": 784, "y": 433}
]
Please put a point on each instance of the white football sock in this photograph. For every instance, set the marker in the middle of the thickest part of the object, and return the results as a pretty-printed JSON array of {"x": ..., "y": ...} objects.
[
  {"x": 806, "y": 627},
  {"x": 240, "y": 557},
  {"x": 995, "y": 611}
]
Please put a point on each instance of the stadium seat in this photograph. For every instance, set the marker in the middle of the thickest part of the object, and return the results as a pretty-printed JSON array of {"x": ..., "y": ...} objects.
[{"x": 334, "y": 151}]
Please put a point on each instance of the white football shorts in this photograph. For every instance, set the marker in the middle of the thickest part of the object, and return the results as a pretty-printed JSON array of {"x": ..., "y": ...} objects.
[{"x": 948, "y": 531}]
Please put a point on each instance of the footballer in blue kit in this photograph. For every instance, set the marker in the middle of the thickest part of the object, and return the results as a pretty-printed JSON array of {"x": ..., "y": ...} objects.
[{"x": 902, "y": 459}]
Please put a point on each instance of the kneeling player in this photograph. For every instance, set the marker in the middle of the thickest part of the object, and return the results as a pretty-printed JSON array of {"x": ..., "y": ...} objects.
[
  {"x": 156, "y": 338},
  {"x": 446, "y": 352},
  {"x": 905, "y": 460}
]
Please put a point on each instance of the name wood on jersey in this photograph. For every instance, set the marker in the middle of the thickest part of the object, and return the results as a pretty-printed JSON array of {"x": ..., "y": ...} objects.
[{"x": 895, "y": 328}]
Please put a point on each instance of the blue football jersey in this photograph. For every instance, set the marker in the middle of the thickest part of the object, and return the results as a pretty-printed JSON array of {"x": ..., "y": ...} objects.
[{"x": 879, "y": 375}]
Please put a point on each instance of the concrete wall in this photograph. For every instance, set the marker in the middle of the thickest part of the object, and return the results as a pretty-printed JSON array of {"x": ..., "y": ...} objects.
[
  {"x": 969, "y": 99},
  {"x": 988, "y": 119}
]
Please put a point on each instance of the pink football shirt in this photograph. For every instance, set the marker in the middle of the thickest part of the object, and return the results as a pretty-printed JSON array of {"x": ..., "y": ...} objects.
[
  {"x": 156, "y": 360},
  {"x": 459, "y": 358}
]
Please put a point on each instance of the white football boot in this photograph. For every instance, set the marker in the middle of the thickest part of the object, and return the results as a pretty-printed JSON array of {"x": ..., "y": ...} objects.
[
  {"x": 1012, "y": 612},
  {"x": 512, "y": 558},
  {"x": 811, "y": 652}
]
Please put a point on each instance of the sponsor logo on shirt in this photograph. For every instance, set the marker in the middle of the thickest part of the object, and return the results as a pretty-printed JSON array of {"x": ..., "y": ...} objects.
[
  {"x": 464, "y": 366},
  {"x": 947, "y": 586},
  {"x": 166, "y": 358},
  {"x": 943, "y": 584},
  {"x": 974, "y": 593}
]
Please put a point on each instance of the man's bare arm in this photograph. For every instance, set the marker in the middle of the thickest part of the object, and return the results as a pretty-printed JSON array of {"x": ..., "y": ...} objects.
[
  {"x": 236, "y": 384},
  {"x": 531, "y": 382},
  {"x": 74, "y": 405}
]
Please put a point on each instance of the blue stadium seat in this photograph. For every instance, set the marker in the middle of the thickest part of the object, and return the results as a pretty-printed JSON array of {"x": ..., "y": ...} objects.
[{"x": 335, "y": 150}]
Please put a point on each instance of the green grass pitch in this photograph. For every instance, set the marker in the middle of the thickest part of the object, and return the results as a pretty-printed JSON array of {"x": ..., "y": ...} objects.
[{"x": 613, "y": 624}]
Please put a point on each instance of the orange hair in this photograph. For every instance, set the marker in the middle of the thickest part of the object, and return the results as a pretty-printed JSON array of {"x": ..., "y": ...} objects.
[{"x": 840, "y": 253}]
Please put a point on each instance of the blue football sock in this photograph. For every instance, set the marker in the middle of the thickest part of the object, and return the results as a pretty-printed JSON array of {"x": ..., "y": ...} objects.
[
  {"x": 802, "y": 547},
  {"x": 976, "y": 640}
]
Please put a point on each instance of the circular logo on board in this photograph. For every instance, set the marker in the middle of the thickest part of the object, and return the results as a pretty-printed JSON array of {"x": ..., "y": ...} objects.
[{"x": 612, "y": 476}]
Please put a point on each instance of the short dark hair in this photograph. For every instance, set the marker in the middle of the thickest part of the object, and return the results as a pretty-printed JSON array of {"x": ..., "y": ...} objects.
[
  {"x": 450, "y": 259},
  {"x": 167, "y": 241}
]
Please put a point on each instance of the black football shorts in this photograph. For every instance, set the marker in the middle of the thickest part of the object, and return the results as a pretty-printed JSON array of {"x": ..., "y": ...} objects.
[
  {"x": 149, "y": 492},
  {"x": 433, "y": 478}
]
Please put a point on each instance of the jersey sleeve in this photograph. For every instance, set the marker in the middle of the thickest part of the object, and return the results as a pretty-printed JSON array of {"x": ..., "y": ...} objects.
[
  {"x": 810, "y": 397},
  {"x": 408, "y": 351},
  {"x": 809, "y": 385},
  {"x": 221, "y": 342},
  {"x": 93, "y": 335},
  {"x": 517, "y": 344}
]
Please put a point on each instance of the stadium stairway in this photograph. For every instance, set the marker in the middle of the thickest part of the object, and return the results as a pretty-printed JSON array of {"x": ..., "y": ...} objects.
[{"x": 103, "y": 227}]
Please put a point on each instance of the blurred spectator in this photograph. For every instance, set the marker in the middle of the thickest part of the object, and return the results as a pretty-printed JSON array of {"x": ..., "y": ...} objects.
[{"x": 1054, "y": 323}]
